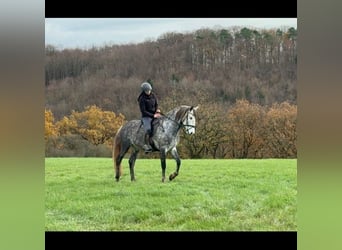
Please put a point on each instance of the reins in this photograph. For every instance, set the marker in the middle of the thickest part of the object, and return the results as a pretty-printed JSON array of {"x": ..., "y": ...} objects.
[{"x": 180, "y": 124}]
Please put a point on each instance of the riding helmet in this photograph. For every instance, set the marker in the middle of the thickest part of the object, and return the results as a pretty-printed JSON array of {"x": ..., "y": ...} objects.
[{"x": 145, "y": 86}]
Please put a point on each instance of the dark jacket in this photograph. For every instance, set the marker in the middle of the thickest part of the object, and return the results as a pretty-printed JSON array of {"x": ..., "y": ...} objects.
[{"x": 148, "y": 104}]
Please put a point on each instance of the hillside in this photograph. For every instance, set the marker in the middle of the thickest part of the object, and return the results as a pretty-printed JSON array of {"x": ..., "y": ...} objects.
[{"x": 217, "y": 66}]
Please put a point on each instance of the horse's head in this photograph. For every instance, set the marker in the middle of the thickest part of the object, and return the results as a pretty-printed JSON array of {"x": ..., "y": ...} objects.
[{"x": 189, "y": 120}]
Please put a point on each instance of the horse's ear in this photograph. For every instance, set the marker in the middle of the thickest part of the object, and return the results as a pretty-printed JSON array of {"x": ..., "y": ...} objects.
[{"x": 195, "y": 108}]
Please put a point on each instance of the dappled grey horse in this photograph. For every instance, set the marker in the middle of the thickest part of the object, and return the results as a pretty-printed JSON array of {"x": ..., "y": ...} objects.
[{"x": 165, "y": 138}]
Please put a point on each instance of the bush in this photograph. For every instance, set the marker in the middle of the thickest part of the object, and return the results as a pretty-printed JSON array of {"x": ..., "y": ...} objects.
[{"x": 75, "y": 146}]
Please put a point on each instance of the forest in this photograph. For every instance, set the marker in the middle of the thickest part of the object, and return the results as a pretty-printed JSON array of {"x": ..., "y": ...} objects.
[{"x": 244, "y": 79}]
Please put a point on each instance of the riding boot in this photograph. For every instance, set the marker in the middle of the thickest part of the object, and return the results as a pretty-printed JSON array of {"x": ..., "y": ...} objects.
[{"x": 147, "y": 147}]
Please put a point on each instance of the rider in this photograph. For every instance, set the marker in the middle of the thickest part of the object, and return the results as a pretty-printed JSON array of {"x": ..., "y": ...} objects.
[{"x": 148, "y": 104}]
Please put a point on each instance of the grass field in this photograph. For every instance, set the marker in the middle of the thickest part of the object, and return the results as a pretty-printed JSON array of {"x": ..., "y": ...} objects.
[{"x": 207, "y": 195}]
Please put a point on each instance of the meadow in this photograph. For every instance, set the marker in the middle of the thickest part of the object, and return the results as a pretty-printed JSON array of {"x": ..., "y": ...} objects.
[{"x": 207, "y": 195}]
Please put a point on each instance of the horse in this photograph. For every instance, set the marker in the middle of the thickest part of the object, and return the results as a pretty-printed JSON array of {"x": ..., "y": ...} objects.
[{"x": 165, "y": 137}]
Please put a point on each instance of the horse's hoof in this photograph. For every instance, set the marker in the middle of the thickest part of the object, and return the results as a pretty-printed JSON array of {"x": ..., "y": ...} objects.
[{"x": 172, "y": 176}]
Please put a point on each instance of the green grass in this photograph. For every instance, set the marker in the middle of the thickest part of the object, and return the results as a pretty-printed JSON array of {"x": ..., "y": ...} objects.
[{"x": 207, "y": 195}]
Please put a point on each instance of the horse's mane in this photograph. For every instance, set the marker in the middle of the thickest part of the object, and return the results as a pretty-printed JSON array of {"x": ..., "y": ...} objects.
[{"x": 181, "y": 112}]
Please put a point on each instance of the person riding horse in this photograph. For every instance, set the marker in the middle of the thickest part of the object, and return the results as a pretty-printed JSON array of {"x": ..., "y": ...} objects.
[
  {"x": 165, "y": 139},
  {"x": 148, "y": 104}
]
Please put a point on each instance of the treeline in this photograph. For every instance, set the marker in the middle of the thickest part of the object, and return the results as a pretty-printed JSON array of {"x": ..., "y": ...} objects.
[
  {"x": 226, "y": 64},
  {"x": 246, "y": 130}
]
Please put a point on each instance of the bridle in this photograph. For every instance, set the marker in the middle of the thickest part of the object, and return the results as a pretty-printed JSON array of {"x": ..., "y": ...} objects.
[{"x": 186, "y": 126}]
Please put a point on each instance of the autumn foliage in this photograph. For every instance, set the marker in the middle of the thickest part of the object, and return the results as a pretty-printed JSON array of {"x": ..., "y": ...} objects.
[
  {"x": 50, "y": 127},
  {"x": 93, "y": 125},
  {"x": 246, "y": 130}
]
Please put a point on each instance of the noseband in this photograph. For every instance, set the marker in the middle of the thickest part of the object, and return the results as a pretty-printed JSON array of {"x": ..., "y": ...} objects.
[{"x": 186, "y": 126}]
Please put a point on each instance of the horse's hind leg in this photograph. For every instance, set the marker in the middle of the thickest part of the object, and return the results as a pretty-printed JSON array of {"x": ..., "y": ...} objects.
[
  {"x": 118, "y": 168},
  {"x": 131, "y": 161},
  {"x": 178, "y": 161},
  {"x": 163, "y": 163},
  {"x": 118, "y": 158}
]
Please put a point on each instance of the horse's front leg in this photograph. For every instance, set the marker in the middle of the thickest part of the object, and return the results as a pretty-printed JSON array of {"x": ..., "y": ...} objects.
[
  {"x": 178, "y": 161},
  {"x": 163, "y": 163}
]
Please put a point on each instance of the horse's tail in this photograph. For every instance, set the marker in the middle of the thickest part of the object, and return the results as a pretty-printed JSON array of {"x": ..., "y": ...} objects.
[{"x": 115, "y": 154}]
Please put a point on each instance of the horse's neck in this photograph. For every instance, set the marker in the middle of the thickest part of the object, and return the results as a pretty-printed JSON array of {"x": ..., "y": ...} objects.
[
  {"x": 172, "y": 114},
  {"x": 172, "y": 122}
]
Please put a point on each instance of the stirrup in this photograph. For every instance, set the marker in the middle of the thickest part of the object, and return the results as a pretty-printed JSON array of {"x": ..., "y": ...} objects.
[{"x": 147, "y": 148}]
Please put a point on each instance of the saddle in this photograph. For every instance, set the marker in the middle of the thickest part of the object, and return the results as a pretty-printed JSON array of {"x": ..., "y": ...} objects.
[{"x": 154, "y": 124}]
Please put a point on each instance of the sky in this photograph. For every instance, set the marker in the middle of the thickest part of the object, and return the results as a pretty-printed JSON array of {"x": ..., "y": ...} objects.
[{"x": 85, "y": 33}]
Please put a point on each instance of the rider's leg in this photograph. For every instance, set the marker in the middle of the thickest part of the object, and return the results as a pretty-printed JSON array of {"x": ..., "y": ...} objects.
[{"x": 147, "y": 127}]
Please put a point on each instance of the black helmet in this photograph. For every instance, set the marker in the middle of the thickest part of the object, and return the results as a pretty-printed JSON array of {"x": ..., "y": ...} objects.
[{"x": 145, "y": 86}]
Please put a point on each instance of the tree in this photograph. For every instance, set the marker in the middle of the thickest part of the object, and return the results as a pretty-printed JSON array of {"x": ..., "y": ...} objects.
[
  {"x": 93, "y": 124},
  {"x": 51, "y": 129},
  {"x": 245, "y": 124},
  {"x": 281, "y": 135}
]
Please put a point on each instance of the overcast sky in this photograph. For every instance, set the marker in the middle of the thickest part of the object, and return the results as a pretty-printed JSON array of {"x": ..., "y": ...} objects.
[{"x": 85, "y": 33}]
